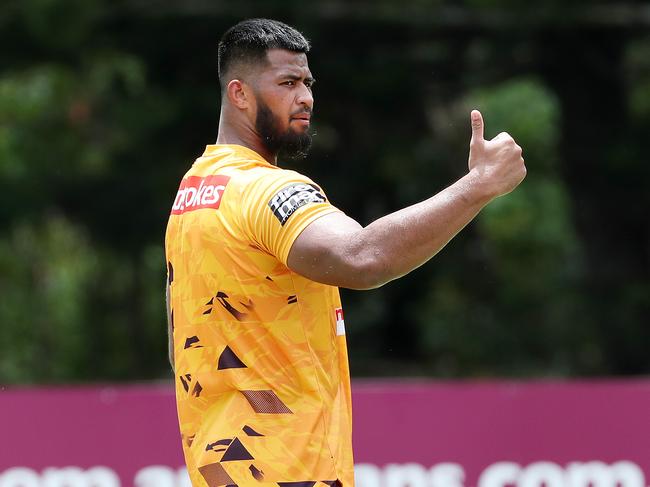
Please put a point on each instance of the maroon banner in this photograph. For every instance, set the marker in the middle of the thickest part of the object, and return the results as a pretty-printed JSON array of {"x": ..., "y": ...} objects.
[
  {"x": 593, "y": 434},
  {"x": 424, "y": 434}
]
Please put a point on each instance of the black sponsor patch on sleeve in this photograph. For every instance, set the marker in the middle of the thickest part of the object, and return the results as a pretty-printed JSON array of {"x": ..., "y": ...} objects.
[{"x": 290, "y": 198}]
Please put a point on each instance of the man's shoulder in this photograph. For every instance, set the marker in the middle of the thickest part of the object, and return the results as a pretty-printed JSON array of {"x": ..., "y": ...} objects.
[
  {"x": 244, "y": 172},
  {"x": 267, "y": 176}
]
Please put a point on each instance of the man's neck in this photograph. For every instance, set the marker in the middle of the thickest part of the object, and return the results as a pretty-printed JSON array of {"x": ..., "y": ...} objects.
[{"x": 231, "y": 134}]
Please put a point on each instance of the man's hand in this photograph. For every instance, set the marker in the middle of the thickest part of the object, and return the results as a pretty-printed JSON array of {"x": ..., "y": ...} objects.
[{"x": 497, "y": 163}]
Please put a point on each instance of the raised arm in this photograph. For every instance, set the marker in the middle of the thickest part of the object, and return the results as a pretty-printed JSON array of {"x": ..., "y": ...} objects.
[{"x": 336, "y": 250}]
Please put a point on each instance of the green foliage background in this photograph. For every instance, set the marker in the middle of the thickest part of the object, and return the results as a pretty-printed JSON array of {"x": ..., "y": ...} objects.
[{"x": 104, "y": 104}]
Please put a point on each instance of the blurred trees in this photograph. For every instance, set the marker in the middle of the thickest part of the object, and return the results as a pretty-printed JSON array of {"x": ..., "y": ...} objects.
[{"x": 103, "y": 105}]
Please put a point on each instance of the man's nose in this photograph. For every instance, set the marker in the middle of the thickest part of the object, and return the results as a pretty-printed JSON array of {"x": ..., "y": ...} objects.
[{"x": 305, "y": 97}]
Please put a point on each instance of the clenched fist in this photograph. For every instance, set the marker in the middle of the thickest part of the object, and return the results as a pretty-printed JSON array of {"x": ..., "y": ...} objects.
[{"x": 498, "y": 162}]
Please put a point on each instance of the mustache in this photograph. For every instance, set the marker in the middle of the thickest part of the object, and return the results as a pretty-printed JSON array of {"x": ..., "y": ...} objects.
[{"x": 306, "y": 110}]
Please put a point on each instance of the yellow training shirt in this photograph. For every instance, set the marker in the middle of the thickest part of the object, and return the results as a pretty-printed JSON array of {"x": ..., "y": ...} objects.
[{"x": 262, "y": 380}]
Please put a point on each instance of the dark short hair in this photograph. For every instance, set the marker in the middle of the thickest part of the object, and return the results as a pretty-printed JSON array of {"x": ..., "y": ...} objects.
[{"x": 249, "y": 40}]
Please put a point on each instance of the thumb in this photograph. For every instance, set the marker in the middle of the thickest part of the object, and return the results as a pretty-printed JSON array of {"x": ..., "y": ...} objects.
[{"x": 477, "y": 126}]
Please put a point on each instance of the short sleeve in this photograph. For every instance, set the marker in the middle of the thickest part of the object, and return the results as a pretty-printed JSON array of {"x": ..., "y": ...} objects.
[{"x": 277, "y": 206}]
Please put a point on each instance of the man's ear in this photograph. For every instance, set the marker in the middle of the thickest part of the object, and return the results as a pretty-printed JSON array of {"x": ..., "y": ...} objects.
[{"x": 237, "y": 94}]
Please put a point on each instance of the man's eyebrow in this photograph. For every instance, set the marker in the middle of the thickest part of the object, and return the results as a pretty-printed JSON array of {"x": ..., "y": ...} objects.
[{"x": 296, "y": 77}]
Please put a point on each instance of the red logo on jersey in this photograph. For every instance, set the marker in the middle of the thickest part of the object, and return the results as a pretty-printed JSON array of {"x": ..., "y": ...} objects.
[
  {"x": 196, "y": 193},
  {"x": 340, "y": 322}
]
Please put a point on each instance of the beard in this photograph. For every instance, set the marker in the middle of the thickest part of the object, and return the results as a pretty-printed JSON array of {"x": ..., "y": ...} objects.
[{"x": 290, "y": 144}]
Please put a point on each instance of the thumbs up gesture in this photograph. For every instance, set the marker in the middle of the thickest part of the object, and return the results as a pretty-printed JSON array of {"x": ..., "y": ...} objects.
[{"x": 498, "y": 162}]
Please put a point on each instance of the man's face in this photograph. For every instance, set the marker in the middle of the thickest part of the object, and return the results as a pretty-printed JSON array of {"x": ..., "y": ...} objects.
[{"x": 284, "y": 103}]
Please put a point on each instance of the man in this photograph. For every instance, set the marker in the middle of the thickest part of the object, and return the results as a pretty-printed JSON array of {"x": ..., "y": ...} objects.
[{"x": 255, "y": 255}]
